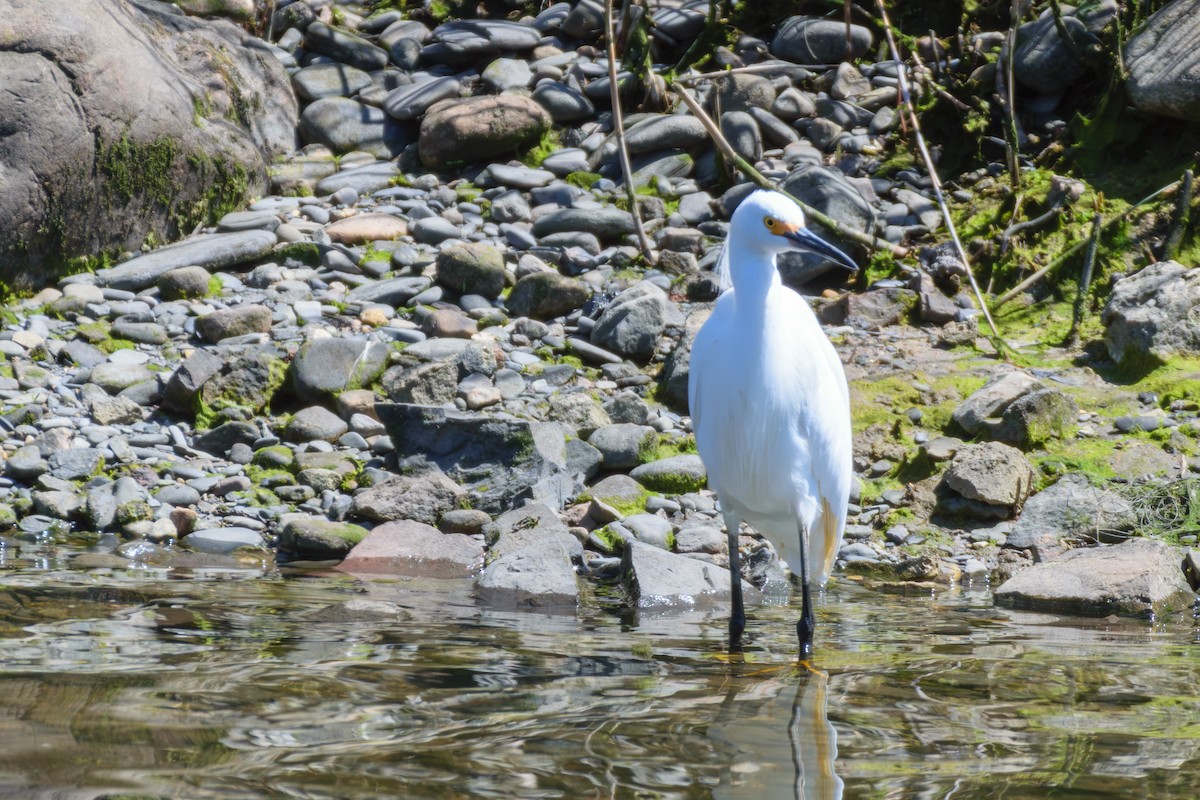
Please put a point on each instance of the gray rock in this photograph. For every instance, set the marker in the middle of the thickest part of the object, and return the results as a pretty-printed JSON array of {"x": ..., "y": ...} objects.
[
  {"x": 583, "y": 461},
  {"x": 500, "y": 462},
  {"x": 538, "y": 577},
  {"x": 532, "y": 523},
  {"x": 621, "y": 446},
  {"x": 992, "y": 399},
  {"x": 578, "y": 411},
  {"x": 829, "y": 192},
  {"x": 226, "y": 323},
  {"x": 323, "y": 368},
  {"x": 241, "y": 389},
  {"x": 478, "y": 128},
  {"x": 318, "y": 538},
  {"x": 329, "y": 80},
  {"x": 648, "y": 529},
  {"x": 423, "y": 497},
  {"x": 1148, "y": 315},
  {"x": 315, "y": 423},
  {"x": 675, "y": 475},
  {"x": 1140, "y": 577},
  {"x": 545, "y": 295},
  {"x": 434, "y": 230},
  {"x": 1036, "y": 417},
  {"x": 344, "y": 47},
  {"x": 991, "y": 473},
  {"x": 564, "y": 104},
  {"x": 676, "y": 371},
  {"x": 212, "y": 251},
  {"x": 516, "y": 177},
  {"x": 411, "y": 101},
  {"x": 25, "y": 463},
  {"x": 363, "y": 180},
  {"x": 586, "y": 20},
  {"x": 657, "y": 579},
  {"x": 222, "y": 438},
  {"x": 1070, "y": 509},
  {"x": 475, "y": 268},
  {"x": 184, "y": 283},
  {"x": 427, "y": 384},
  {"x": 108, "y": 161},
  {"x": 741, "y": 92},
  {"x": 222, "y": 540},
  {"x": 742, "y": 132},
  {"x": 1043, "y": 61},
  {"x": 107, "y": 410},
  {"x": 699, "y": 538},
  {"x": 177, "y": 494},
  {"x": 344, "y": 125},
  {"x": 114, "y": 377},
  {"x": 392, "y": 291},
  {"x": 412, "y": 548},
  {"x": 150, "y": 333},
  {"x": 811, "y": 40},
  {"x": 507, "y": 73},
  {"x": 184, "y": 384},
  {"x": 606, "y": 223},
  {"x": 633, "y": 322},
  {"x": 1164, "y": 67}
]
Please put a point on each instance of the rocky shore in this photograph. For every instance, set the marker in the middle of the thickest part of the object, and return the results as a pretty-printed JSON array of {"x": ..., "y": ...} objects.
[{"x": 433, "y": 346}]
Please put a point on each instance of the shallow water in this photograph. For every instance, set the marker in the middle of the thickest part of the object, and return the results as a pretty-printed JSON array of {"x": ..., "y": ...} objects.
[{"x": 221, "y": 684}]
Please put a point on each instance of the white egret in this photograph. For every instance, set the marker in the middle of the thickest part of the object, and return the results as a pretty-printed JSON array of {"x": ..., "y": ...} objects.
[{"x": 770, "y": 407}]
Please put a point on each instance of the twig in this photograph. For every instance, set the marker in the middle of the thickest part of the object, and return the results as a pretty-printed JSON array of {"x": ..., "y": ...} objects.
[
  {"x": 1036, "y": 222},
  {"x": 1085, "y": 280},
  {"x": 933, "y": 176},
  {"x": 745, "y": 166},
  {"x": 1183, "y": 209},
  {"x": 1012, "y": 140},
  {"x": 619, "y": 129},
  {"x": 1073, "y": 249},
  {"x": 748, "y": 70}
]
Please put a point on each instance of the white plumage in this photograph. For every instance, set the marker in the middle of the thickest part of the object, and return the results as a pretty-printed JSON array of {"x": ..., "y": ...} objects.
[{"x": 769, "y": 402}]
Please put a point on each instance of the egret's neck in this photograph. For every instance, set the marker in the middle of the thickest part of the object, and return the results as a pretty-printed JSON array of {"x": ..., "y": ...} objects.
[{"x": 753, "y": 279}]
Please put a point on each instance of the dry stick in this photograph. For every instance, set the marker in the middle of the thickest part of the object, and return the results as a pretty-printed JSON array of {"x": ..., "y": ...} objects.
[
  {"x": 619, "y": 129},
  {"x": 749, "y": 70},
  {"x": 1182, "y": 211},
  {"x": 1085, "y": 280},
  {"x": 1073, "y": 249},
  {"x": 745, "y": 166},
  {"x": 906, "y": 96},
  {"x": 1011, "y": 137}
]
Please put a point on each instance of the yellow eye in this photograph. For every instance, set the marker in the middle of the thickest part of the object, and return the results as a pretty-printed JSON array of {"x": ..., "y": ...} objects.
[{"x": 770, "y": 222}]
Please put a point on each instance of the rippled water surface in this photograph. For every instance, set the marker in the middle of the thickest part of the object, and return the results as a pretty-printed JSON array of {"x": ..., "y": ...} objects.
[{"x": 232, "y": 684}]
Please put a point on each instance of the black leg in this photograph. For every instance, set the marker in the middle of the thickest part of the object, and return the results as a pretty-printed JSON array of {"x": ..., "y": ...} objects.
[
  {"x": 737, "y": 615},
  {"x": 808, "y": 619}
]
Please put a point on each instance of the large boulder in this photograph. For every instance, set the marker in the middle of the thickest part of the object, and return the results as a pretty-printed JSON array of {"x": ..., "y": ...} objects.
[
  {"x": 125, "y": 120},
  {"x": 1149, "y": 315},
  {"x": 1164, "y": 64},
  {"x": 1140, "y": 577},
  {"x": 478, "y": 128}
]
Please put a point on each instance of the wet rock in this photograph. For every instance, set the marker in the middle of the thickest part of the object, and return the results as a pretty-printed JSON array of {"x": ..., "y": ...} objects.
[
  {"x": 1141, "y": 577},
  {"x": 499, "y": 462},
  {"x": 412, "y": 548},
  {"x": 991, "y": 473},
  {"x": 660, "y": 580},
  {"x": 1148, "y": 316},
  {"x": 537, "y": 577},
  {"x": 318, "y": 538},
  {"x": 222, "y": 540},
  {"x": 359, "y": 610},
  {"x": 423, "y": 497},
  {"x": 478, "y": 128},
  {"x": 1069, "y": 510}
]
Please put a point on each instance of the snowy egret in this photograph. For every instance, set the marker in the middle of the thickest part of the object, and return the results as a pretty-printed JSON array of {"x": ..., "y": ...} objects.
[{"x": 770, "y": 407}]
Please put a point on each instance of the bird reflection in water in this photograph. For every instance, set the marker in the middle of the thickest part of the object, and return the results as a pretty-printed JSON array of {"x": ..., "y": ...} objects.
[{"x": 754, "y": 710}]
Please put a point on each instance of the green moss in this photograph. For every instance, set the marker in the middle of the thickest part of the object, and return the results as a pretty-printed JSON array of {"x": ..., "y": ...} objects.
[
  {"x": 609, "y": 541},
  {"x": 112, "y": 345},
  {"x": 661, "y": 447},
  {"x": 584, "y": 180},
  {"x": 304, "y": 252},
  {"x": 550, "y": 142},
  {"x": 133, "y": 511},
  {"x": 133, "y": 170},
  {"x": 214, "y": 286}
]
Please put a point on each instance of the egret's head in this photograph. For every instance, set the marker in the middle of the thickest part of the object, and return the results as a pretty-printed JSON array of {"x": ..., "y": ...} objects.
[{"x": 770, "y": 223}]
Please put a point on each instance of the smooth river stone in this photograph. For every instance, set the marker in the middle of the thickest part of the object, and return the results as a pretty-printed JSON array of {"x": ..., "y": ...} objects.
[
  {"x": 366, "y": 228},
  {"x": 344, "y": 125},
  {"x": 213, "y": 251},
  {"x": 410, "y": 102},
  {"x": 329, "y": 80}
]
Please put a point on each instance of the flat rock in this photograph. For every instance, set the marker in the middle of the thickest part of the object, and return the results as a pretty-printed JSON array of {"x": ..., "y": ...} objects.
[
  {"x": 318, "y": 538},
  {"x": 537, "y": 577},
  {"x": 478, "y": 128},
  {"x": 544, "y": 295},
  {"x": 212, "y": 251},
  {"x": 991, "y": 400},
  {"x": 1071, "y": 509},
  {"x": 323, "y": 368},
  {"x": 412, "y": 548},
  {"x": 661, "y": 580},
  {"x": 632, "y": 323},
  {"x": 226, "y": 323},
  {"x": 422, "y": 497},
  {"x": 362, "y": 228},
  {"x": 1140, "y": 577},
  {"x": 222, "y": 540}
]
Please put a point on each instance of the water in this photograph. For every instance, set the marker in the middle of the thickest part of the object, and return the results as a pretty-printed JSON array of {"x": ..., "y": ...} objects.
[{"x": 222, "y": 684}]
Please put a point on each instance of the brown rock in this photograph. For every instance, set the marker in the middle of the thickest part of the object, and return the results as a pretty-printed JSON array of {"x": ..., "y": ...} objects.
[
  {"x": 413, "y": 548},
  {"x": 477, "y": 128},
  {"x": 366, "y": 228}
]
